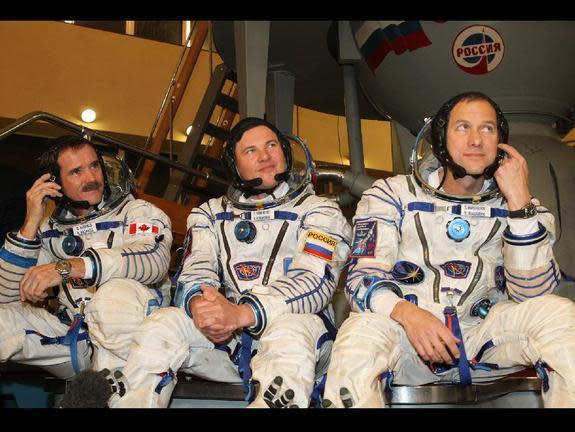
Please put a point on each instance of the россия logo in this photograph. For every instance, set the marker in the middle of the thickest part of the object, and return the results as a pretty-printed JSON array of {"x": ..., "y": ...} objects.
[{"x": 478, "y": 49}]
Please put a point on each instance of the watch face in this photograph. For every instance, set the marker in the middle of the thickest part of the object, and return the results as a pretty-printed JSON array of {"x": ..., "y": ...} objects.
[
  {"x": 530, "y": 211},
  {"x": 63, "y": 267}
]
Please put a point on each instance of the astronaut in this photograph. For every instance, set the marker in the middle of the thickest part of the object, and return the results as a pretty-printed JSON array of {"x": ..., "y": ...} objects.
[
  {"x": 258, "y": 275},
  {"x": 452, "y": 271},
  {"x": 98, "y": 263}
]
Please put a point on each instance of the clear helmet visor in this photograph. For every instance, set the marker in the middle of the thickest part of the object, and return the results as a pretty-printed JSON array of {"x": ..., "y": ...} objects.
[
  {"x": 120, "y": 183},
  {"x": 428, "y": 171},
  {"x": 298, "y": 178}
]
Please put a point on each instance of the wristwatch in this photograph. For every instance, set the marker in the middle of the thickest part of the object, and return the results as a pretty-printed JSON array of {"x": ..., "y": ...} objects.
[
  {"x": 64, "y": 268},
  {"x": 525, "y": 212}
]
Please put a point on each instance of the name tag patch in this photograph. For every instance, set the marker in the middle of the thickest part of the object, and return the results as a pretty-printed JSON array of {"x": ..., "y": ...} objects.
[
  {"x": 87, "y": 228},
  {"x": 320, "y": 245}
]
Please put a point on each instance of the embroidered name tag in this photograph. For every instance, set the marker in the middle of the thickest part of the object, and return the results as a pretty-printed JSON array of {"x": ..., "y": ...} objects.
[
  {"x": 320, "y": 245},
  {"x": 262, "y": 215},
  {"x": 87, "y": 228},
  {"x": 475, "y": 210}
]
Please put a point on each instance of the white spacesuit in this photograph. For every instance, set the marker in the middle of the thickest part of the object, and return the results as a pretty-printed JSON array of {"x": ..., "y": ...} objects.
[
  {"x": 127, "y": 242},
  {"x": 282, "y": 256},
  {"x": 488, "y": 277}
]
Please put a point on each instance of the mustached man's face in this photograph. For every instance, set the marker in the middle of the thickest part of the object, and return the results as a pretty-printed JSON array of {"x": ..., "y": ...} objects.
[{"x": 81, "y": 174}]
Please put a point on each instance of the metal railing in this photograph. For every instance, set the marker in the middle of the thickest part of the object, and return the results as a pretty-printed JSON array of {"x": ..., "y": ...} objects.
[{"x": 92, "y": 135}]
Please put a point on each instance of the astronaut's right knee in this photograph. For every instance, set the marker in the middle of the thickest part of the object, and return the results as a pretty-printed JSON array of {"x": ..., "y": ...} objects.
[
  {"x": 170, "y": 326},
  {"x": 161, "y": 321}
]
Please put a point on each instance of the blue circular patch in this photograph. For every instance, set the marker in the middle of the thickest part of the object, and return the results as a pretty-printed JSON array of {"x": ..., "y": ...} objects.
[
  {"x": 407, "y": 272},
  {"x": 72, "y": 245},
  {"x": 245, "y": 231},
  {"x": 458, "y": 229}
]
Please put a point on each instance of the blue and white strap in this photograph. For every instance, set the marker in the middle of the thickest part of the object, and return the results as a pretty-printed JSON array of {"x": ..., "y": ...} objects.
[
  {"x": 258, "y": 215},
  {"x": 465, "y": 210},
  {"x": 71, "y": 338},
  {"x": 98, "y": 226},
  {"x": 452, "y": 323}
]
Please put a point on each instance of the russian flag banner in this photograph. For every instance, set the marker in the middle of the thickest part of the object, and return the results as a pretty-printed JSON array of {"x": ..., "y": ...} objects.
[
  {"x": 389, "y": 36},
  {"x": 320, "y": 245}
]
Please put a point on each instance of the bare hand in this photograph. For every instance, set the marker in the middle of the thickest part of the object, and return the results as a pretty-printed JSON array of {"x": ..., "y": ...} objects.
[
  {"x": 512, "y": 177},
  {"x": 216, "y": 317},
  {"x": 428, "y": 335},
  {"x": 36, "y": 282},
  {"x": 36, "y": 203}
]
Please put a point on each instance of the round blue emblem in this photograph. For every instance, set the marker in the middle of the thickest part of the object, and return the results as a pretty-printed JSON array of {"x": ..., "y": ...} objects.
[
  {"x": 245, "y": 231},
  {"x": 72, "y": 245},
  {"x": 458, "y": 229}
]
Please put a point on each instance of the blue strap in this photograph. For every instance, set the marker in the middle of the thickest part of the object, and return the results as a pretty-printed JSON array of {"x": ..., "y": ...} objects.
[
  {"x": 456, "y": 209},
  {"x": 485, "y": 347},
  {"x": 541, "y": 369},
  {"x": 17, "y": 260},
  {"x": 167, "y": 377},
  {"x": 475, "y": 362},
  {"x": 100, "y": 226},
  {"x": 51, "y": 234},
  {"x": 421, "y": 206},
  {"x": 316, "y": 397},
  {"x": 243, "y": 361},
  {"x": 498, "y": 212},
  {"x": 285, "y": 215},
  {"x": 225, "y": 216},
  {"x": 71, "y": 339},
  {"x": 388, "y": 377},
  {"x": 278, "y": 214},
  {"x": 331, "y": 329},
  {"x": 452, "y": 322}
]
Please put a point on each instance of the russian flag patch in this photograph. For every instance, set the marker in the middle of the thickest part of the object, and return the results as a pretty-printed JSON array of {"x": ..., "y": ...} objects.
[
  {"x": 142, "y": 228},
  {"x": 320, "y": 245}
]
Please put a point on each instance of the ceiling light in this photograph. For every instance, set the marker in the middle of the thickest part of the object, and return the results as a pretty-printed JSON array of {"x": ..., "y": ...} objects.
[
  {"x": 88, "y": 115},
  {"x": 189, "y": 129}
]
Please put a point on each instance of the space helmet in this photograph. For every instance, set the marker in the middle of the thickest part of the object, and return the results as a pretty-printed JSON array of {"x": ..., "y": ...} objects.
[
  {"x": 298, "y": 173},
  {"x": 439, "y": 134},
  {"x": 118, "y": 184},
  {"x": 425, "y": 165}
]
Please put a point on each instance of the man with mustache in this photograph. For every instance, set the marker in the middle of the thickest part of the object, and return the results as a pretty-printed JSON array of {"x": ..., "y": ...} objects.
[{"x": 74, "y": 285}]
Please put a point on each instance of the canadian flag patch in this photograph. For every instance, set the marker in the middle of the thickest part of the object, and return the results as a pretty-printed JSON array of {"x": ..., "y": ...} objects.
[{"x": 142, "y": 228}]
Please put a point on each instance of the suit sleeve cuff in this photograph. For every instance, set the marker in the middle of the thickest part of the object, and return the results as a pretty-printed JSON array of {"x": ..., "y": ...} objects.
[
  {"x": 383, "y": 302},
  {"x": 522, "y": 227}
]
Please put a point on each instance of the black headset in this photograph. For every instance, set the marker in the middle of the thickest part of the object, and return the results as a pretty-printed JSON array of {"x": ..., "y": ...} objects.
[
  {"x": 439, "y": 134},
  {"x": 229, "y": 155}
]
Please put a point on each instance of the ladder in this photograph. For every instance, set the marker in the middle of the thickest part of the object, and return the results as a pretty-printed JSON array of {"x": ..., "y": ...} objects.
[{"x": 191, "y": 153}]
